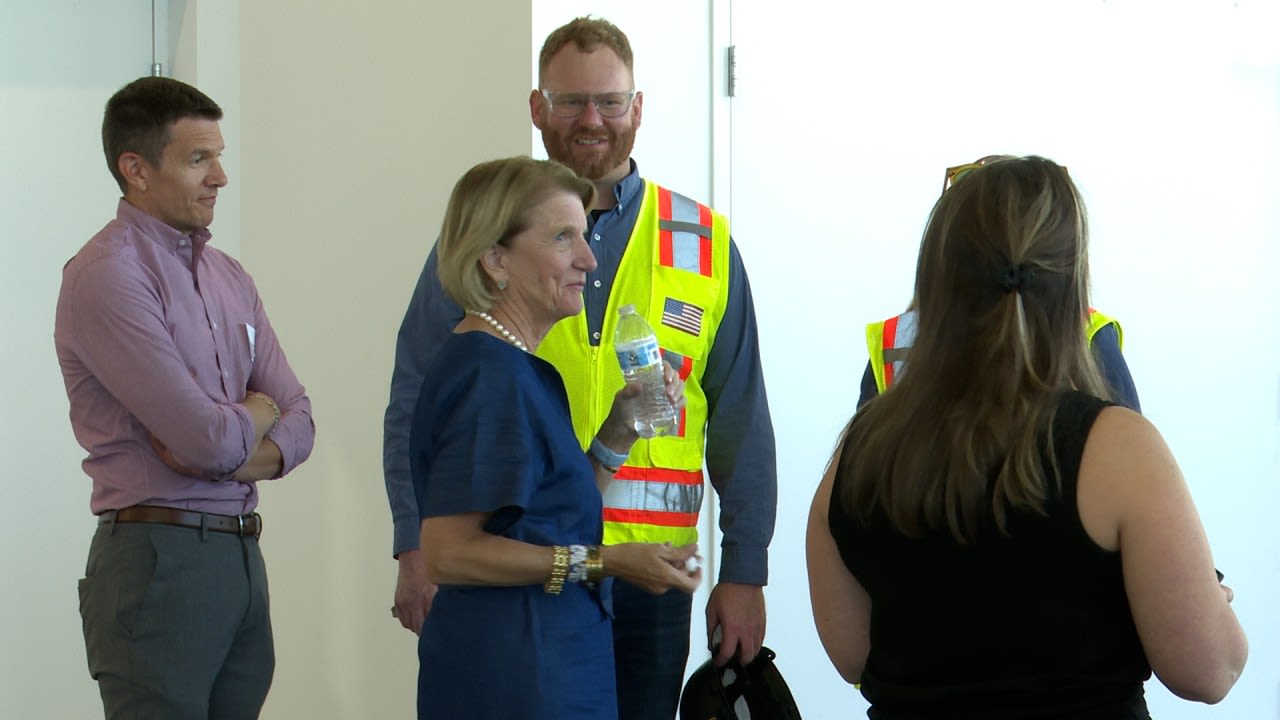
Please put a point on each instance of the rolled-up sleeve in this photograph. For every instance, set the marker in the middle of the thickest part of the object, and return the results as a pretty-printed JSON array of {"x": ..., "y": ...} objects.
[{"x": 295, "y": 435}]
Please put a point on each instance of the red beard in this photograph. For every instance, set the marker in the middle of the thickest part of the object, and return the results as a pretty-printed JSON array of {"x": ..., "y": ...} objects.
[{"x": 583, "y": 159}]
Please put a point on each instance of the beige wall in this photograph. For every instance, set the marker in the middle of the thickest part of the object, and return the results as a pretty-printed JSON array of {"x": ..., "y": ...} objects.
[
  {"x": 347, "y": 125},
  {"x": 354, "y": 133}
]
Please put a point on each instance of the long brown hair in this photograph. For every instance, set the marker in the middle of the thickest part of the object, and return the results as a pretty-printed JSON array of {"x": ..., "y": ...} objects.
[{"x": 1002, "y": 292}]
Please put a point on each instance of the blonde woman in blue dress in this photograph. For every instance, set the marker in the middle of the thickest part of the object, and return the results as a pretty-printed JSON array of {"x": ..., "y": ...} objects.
[{"x": 510, "y": 504}]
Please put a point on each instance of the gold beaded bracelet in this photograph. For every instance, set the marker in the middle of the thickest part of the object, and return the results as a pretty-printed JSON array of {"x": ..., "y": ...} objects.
[
  {"x": 595, "y": 564},
  {"x": 559, "y": 570}
]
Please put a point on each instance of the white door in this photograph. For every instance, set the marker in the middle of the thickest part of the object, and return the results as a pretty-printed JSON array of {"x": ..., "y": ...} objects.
[{"x": 844, "y": 118}]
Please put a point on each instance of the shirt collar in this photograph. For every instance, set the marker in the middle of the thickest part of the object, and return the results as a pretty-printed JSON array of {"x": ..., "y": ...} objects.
[
  {"x": 156, "y": 229},
  {"x": 629, "y": 186}
]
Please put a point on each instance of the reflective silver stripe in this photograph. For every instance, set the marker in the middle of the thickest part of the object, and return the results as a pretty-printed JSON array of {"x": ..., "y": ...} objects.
[
  {"x": 686, "y": 233},
  {"x": 685, "y": 227},
  {"x": 684, "y": 209},
  {"x": 895, "y": 355},
  {"x": 653, "y": 495},
  {"x": 903, "y": 337}
]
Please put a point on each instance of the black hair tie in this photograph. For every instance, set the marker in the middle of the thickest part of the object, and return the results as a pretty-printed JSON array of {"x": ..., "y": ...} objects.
[{"x": 1017, "y": 278}]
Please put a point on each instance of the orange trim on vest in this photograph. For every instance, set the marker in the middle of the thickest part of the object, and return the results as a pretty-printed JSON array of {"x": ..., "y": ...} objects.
[
  {"x": 704, "y": 242},
  {"x": 666, "y": 255},
  {"x": 667, "y": 475},
  {"x": 686, "y": 367},
  {"x": 890, "y": 336},
  {"x": 651, "y": 517}
]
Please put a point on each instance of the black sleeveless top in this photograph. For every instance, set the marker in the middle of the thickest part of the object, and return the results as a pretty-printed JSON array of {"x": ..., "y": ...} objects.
[{"x": 1033, "y": 625}]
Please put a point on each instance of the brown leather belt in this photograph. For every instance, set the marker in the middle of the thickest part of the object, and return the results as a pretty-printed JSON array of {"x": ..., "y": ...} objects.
[{"x": 250, "y": 524}]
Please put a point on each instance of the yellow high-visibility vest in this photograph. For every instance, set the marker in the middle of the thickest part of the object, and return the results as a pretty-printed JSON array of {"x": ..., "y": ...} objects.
[
  {"x": 676, "y": 272},
  {"x": 888, "y": 341}
]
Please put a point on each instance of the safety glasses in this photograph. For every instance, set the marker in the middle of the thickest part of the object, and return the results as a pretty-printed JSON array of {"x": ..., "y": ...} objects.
[
  {"x": 959, "y": 171},
  {"x": 955, "y": 173}
]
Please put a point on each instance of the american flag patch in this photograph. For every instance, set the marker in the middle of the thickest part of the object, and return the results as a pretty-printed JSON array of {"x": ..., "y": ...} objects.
[{"x": 682, "y": 316}]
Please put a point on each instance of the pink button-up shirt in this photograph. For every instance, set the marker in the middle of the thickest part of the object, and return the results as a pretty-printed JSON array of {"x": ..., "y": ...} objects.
[{"x": 159, "y": 333}]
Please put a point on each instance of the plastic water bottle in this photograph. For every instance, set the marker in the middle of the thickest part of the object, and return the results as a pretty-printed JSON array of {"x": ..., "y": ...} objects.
[{"x": 641, "y": 359}]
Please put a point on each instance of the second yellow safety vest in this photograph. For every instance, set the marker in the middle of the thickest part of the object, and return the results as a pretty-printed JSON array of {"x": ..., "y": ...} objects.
[{"x": 888, "y": 341}]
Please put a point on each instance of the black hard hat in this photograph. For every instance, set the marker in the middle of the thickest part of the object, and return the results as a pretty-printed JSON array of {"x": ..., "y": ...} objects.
[{"x": 734, "y": 692}]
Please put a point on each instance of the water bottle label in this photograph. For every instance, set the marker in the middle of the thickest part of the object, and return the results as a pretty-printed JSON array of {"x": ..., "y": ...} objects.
[{"x": 640, "y": 355}]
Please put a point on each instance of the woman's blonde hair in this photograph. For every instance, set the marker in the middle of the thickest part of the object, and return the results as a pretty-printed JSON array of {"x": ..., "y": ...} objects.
[
  {"x": 1002, "y": 289},
  {"x": 490, "y": 205}
]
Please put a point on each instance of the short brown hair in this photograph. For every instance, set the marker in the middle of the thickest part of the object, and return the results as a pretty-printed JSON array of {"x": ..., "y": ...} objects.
[
  {"x": 587, "y": 33},
  {"x": 138, "y": 117},
  {"x": 490, "y": 205}
]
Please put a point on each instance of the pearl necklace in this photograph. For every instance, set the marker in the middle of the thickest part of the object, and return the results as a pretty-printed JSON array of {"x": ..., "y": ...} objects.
[{"x": 502, "y": 330}]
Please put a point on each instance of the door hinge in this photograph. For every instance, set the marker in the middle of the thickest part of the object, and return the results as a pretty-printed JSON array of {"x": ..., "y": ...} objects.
[{"x": 732, "y": 68}]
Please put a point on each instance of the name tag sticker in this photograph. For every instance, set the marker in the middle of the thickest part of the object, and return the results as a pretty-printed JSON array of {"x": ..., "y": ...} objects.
[{"x": 249, "y": 335}]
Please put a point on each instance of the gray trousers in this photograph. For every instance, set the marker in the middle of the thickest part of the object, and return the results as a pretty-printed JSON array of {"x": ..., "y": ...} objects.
[{"x": 176, "y": 623}]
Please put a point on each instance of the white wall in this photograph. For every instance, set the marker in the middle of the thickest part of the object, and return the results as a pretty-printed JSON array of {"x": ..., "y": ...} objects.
[
  {"x": 1167, "y": 119},
  {"x": 59, "y": 62}
]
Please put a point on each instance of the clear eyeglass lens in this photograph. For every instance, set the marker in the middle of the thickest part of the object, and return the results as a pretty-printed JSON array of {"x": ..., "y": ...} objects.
[{"x": 610, "y": 105}]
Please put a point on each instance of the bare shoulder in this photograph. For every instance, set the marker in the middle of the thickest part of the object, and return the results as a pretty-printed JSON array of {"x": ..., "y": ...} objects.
[
  {"x": 1126, "y": 463},
  {"x": 1116, "y": 423},
  {"x": 1123, "y": 440}
]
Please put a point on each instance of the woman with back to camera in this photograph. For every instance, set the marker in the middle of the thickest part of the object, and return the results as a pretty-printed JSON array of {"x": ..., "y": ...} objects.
[
  {"x": 511, "y": 505},
  {"x": 993, "y": 538}
]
